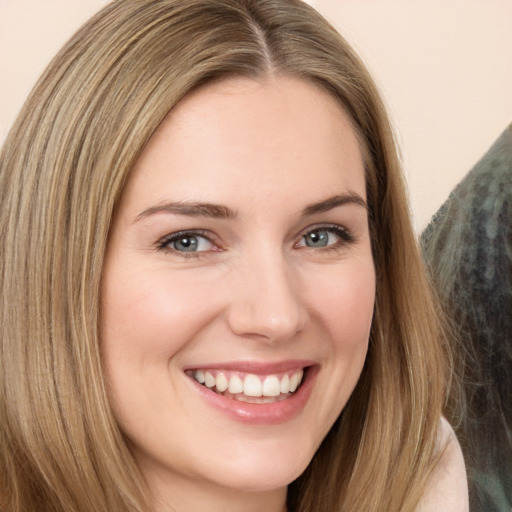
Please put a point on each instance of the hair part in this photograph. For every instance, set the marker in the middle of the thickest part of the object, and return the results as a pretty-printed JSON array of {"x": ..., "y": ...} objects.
[{"x": 62, "y": 171}]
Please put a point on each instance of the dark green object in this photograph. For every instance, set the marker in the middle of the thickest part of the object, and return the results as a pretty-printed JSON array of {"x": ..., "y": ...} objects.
[{"x": 468, "y": 247}]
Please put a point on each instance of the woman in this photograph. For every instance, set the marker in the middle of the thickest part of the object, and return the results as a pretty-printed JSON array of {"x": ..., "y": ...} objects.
[{"x": 212, "y": 295}]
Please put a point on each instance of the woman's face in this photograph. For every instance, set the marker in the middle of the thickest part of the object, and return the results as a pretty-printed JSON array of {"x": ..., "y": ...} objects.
[{"x": 239, "y": 267}]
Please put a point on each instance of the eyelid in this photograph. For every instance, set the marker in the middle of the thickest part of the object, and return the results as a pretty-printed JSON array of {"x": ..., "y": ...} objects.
[
  {"x": 163, "y": 243},
  {"x": 345, "y": 235}
]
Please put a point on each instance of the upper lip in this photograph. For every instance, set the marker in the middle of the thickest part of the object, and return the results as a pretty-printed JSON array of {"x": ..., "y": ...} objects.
[{"x": 256, "y": 367}]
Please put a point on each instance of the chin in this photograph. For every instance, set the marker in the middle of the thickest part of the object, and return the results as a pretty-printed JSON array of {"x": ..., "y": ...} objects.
[{"x": 262, "y": 474}]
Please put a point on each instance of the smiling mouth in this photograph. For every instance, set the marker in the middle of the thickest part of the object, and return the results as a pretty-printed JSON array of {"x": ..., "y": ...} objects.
[{"x": 249, "y": 387}]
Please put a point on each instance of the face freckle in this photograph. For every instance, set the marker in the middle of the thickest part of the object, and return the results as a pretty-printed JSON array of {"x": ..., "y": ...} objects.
[{"x": 238, "y": 287}]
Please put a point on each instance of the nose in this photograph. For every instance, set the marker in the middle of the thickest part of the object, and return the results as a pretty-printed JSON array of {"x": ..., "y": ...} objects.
[{"x": 266, "y": 301}]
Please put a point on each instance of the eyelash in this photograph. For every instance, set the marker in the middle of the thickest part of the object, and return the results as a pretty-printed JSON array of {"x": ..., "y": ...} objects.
[
  {"x": 163, "y": 243},
  {"x": 345, "y": 238}
]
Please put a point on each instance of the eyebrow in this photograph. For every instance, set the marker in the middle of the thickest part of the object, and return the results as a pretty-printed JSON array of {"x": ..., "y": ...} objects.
[
  {"x": 193, "y": 209},
  {"x": 333, "y": 202},
  {"x": 217, "y": 211}
]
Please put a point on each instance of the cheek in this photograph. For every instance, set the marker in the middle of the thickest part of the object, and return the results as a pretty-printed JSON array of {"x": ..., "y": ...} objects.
[
  {"x": 345, "y": 304},
  {"x": 149, "y": 310},
  {"x": 343, "y": 307},
  {"x": 147, "y": 319}
]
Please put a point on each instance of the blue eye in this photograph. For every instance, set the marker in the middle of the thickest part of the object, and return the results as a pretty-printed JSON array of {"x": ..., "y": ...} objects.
[
  {"x": 186, "y": 242},
  {"x": 318, "y": 238},
  {"x": 326, "y": 237}
]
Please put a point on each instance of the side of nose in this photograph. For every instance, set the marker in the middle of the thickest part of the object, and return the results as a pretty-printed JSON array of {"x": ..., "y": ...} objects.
[{"x": 265, "y": 300}]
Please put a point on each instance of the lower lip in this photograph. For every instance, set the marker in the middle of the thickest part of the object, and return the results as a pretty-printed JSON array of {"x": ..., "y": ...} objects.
[{"x": 261, "y": 414}]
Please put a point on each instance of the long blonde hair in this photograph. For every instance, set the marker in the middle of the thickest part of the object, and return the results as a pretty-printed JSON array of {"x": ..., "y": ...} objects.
[{"x": 62, "y": 171}]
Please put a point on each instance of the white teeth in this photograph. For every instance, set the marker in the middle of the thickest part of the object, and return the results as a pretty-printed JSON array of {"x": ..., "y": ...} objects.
[
  {"x": 295, "y": 380},
  {"x": 293, "y": 383},
  {"x": 285, "y": 384},
  {"x": 209, "y": 380},
  {"x": 271, "y": 386},
  {"x": 235, "y": 385},
  {"x": 221, "y": 383},
  {"x": 252, "y": 386}
]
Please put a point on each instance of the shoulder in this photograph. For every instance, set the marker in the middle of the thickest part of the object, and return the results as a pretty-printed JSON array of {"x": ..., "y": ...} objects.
[{"x": 448, "y": 486}]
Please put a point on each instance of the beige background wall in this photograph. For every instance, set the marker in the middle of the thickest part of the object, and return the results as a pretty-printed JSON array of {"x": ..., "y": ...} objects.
[{"x": 444, "y": 66}]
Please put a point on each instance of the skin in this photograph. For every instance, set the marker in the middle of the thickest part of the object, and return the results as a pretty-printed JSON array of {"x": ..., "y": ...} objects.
[
  {"x": 254, "y": 292},
  {"x": 448, "y": 486}
]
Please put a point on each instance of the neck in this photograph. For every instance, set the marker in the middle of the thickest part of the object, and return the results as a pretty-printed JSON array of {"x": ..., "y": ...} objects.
[{"x": 197, "y": 496}]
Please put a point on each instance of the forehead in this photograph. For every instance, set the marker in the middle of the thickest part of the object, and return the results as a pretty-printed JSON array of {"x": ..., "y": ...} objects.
[{"x": 275, "y": 135}]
